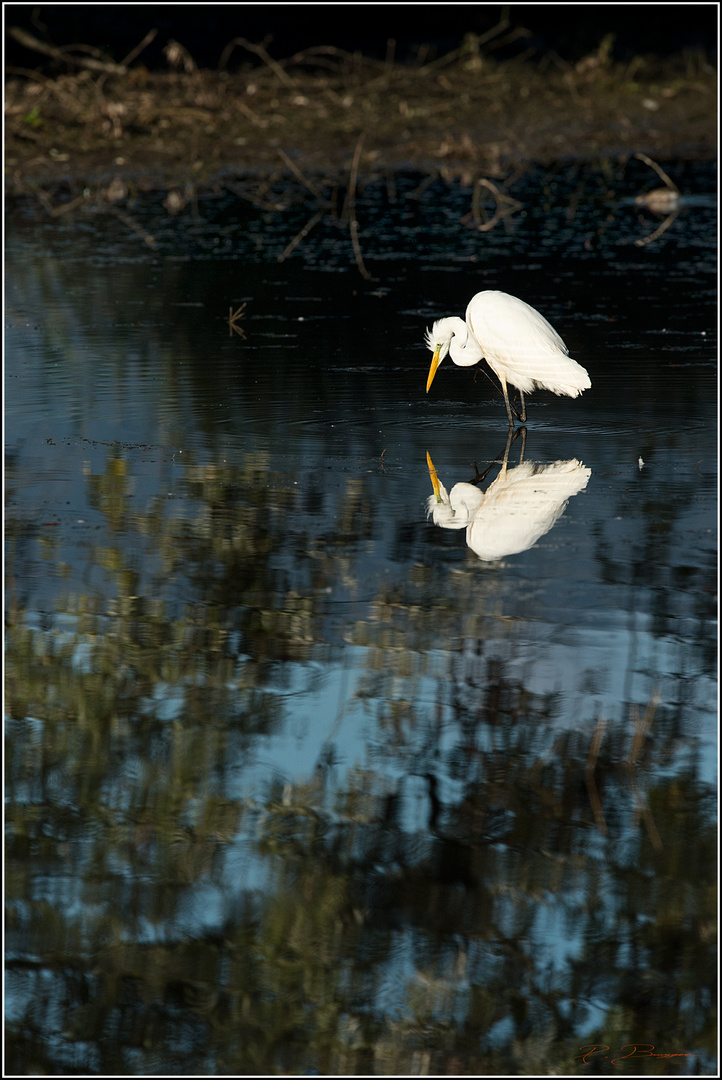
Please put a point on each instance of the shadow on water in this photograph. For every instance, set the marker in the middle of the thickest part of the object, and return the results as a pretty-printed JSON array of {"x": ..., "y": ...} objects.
[{"x": 297, "y": 779}]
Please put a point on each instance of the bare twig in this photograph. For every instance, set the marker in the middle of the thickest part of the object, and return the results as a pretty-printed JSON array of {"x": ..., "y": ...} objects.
[
  {"x": 233, "y": 317},
  {"x": 641, "y": 727},
  {"x": 660, "y": 201},
  {"x": 56, "y": 211},
  {"x": 317, "y": 53},
  {"x": 27, "y": 74},
  {"x": 301, "y": 235},
  {"x": 30, "y": 42},
  {"x": 253, "y": 117},
  {"x": 426, "y": 182},
  {"x": 659, "y": 230},
  {"x": 260, "y": 51},
  {"x": 297, "y": 172},
  {"x": 594, "y": 799},
  {"x": 659, "y": 171},
  {"x": 505, "y": 205},
  {"x": 504, "y": 21},
  {"x": 641, "y": 730},
  {"x": 139, "y": 48},
  {"x": 351, "y": 207},
  {"x": 256, "y": 199},
  {"x": 654, "y": 838},
  {"x": 128, "y": 221},
  {"x": 503, "y": 24}
]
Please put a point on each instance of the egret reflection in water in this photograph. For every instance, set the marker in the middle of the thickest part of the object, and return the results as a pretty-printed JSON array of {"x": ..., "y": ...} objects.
[{"x": 515, "y": 511}]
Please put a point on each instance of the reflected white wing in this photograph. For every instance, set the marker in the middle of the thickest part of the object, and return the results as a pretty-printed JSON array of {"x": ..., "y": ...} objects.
[{"x": 522, "y": 505}]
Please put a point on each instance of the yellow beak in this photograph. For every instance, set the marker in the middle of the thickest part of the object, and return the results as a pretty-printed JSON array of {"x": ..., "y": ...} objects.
[
  {"x": 432, "y": 472},
  {"x": 432, "y": 370}
]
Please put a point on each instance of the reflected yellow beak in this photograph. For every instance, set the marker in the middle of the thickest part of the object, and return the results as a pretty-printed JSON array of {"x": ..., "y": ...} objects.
[
  {"x": 432, "y": 370},
  {"x": 432, "y": 471}
]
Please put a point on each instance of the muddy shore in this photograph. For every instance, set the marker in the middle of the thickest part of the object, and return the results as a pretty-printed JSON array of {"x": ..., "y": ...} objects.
[{"x": 105, "y": 135}]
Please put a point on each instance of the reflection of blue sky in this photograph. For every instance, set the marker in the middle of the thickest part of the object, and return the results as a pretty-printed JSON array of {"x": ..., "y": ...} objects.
[
  {"x": 578, "y": 635},
  {"x": 563, "y": 630},
  {"x": 597, "y": 637}
]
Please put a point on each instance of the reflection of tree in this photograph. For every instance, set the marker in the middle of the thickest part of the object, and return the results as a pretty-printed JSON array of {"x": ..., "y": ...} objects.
[{"x": 170, "y": 921}]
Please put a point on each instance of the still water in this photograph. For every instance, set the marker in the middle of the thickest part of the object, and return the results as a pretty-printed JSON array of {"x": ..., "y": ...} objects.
[{"x": 304, "y": 775}]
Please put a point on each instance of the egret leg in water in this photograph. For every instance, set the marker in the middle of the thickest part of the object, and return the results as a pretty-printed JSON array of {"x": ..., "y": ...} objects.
[
  {"x": 455, "y": 509},
  {"x": 521, "y": 416},
  {"x": 518, "y": 344},
  {"x": 503, "y": 457}
]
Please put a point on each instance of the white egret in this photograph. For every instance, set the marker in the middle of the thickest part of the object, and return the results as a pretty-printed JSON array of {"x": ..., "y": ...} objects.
[{"x": 518, "y": 344}]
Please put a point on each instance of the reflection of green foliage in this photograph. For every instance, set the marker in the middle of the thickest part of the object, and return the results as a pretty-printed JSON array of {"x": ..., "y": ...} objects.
[
  {"x": 109, "y": 493},
  {"x": 362, "y": 945}
]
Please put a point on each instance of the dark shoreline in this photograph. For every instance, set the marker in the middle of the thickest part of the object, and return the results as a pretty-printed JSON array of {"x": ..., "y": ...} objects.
[{"x": 340, "y": 117}]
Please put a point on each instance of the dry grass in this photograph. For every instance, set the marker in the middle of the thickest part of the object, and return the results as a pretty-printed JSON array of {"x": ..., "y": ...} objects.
[
  {"x": 462, "y": 115},
  {"x": 313, "y": 128}
]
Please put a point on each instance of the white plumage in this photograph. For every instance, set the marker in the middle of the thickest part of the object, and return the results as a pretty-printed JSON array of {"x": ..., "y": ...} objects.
[
  {"x": 518, "y": 508},
  {"x": 518, "y": 344}
]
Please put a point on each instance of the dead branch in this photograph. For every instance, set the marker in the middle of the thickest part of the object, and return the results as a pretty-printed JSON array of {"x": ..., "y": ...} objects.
[
  {"x": 130, "y": 224},
  {"x": 659, "y": 171},
  {"x": 670, "y": 220},
  {"x": 30, "y": 42},
  {"x": 260, "y": 51},
  {"x": 351, "y": 206},
  {"x": 301, "y": 235},
  {"x": 299, "y": 175},
  {"x": 127, "y": 61},
  {"x": 505, "y": 205},
  {"x": 594, "y": 800},
  {"x": 233, "y": 317}
]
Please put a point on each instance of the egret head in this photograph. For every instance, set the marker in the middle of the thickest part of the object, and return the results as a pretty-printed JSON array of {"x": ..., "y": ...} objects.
[{"x": 438, "y": 339}]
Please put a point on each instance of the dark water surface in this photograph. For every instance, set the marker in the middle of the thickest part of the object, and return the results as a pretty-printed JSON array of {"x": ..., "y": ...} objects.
[{"x": 297, "y": 782}]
